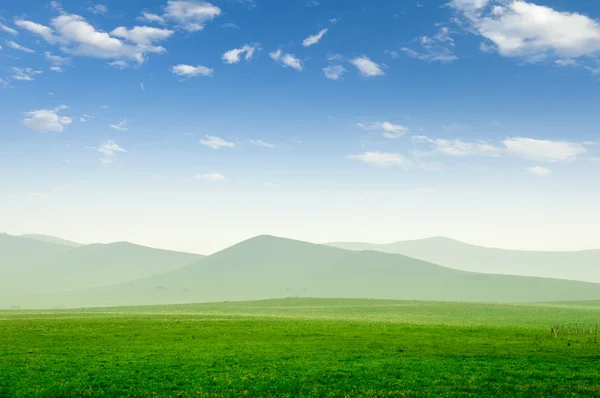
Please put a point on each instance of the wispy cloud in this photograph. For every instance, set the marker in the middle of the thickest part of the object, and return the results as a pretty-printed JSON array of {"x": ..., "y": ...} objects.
[
  {"x": 151, "y": 18},
  {"x": 19, "y": 47},
  {"x": 261, "y": 143},
  {"x": 366, "y": 67},
  {"x": 192, "y": 71},
  {"x": 234, "y": 56},
  {"x": 287, "y": 60},
  {"x": 216, "y": 142},
  {"x": 539, "y": 171},
  {"x": 389, "y": 130},
  {"x": 334, "y": 72},
  {"x": 7, "y": 29},
  {"x": 98, "y": 9},
  {"x": 109, "y": 149},
  {"x": 215, "y": 177},
  {"x": 24, "y": 73},
  {"x": 314, "y": 39},
  {"x": 122, "y": 126},
  {"x": 384, "y": 159},
  {"x": 439, "y": 47},
  {"x": 544, "y": 150}
]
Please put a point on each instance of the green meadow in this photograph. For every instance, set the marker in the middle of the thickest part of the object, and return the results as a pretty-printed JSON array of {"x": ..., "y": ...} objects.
[{"x": 302, "y": 347}]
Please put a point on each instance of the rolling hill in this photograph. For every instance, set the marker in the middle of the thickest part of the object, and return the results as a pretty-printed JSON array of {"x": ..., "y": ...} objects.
[
  {"x": 51, "y": 239},
  {"x": 22, "y": 258},
  {"x": 576, "y": 265},
  {"x": 268, "y": 267},
  {"x": 29, "y": 265}
]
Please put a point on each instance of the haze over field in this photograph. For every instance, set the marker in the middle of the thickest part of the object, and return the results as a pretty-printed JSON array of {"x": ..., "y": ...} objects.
[
  {"x": 263, "y": 267},
  {"x": 576, "y": 265}
]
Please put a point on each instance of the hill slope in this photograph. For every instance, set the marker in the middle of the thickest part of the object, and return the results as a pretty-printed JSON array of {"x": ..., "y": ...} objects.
[
  {"x": 51, "y": 239},
  {"x": 580, "y": 265},
  {"x": 30, "y": 265},
  {"x": 268, "y": 267},
  {"x": 23, "y": 258}
]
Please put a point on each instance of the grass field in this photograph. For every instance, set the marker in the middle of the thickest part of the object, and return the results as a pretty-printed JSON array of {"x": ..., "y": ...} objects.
[{"x": 300, "y": 347}]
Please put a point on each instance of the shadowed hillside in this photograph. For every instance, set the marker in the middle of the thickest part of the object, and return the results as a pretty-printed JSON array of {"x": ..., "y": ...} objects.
[
  {"x": 268, "y": 267},
  {"x": 577, "y": 265}
]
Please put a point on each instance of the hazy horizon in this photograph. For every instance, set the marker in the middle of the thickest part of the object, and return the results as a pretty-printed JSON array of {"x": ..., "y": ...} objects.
[{"x": 329, "y": 243}]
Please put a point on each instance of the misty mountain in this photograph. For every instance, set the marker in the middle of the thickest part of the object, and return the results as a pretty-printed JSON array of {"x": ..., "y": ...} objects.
[
  {"x": 29, "y": 265},
  {"x": 268, "y": 267},
  {"x": 575, "y": 265},
  {"x": 51, "y": 239}
]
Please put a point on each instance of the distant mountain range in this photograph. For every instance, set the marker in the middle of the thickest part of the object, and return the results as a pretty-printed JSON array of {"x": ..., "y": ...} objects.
[
  {"x": 51, "y": 239},
  {"x": 576, "y": 265},
  {"x": 33, "y": 265},
  {"x": 269, "y": 267}
]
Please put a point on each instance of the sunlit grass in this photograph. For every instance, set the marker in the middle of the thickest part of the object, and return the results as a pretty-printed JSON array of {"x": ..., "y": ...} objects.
[{"x": 298, "y": 348}]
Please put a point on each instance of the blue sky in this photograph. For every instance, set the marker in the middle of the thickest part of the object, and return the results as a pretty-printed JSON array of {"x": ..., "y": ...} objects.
[{"x": 192, "y": 125}]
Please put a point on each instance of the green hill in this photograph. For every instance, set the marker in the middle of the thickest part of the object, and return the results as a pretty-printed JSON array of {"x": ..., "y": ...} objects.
[
  {"x": 32, "y": 266},
  {"x": 51, "y": 239},
  {"x": 267, "y": 267},
  {"x": 576, "y": 265},
  {"x": 23, "y": 259}
]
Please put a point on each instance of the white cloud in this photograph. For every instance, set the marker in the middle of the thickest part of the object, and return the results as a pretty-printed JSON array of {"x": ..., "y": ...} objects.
[
  {"x": 469, "y": 5},
  {"x": 286, "y": 60},
  {"x": 55, "y": 59},
  {"x": 46, "y": 120},
  {"x": 517, "y": 28},
  {"x": 230, "y": 25},
  {"x": 118, "y": 64},
  {"x": 457, "y": 147},
  {"x": 566, "y": 62},
  {"x": 366, "y": 67},
  {"x": 142, "y": 86},
  {"x": 56, "y": 69},
  {"x": 191, "y": 71},
  {"x": 439, "y": 47},
  {"x": 389, "y": 130},
  {"x": 19, "y": 47},
  {"x": 84, "y": 118},
  {"x": 314, "y": 39},
  {"x": 76, "y": 36},
  {"x": 382, "y": 159},
  {"x": 210, "y": 177},
  {"x": 36, "y": 28},
  {"x": 110, "y": 148},
  {"x": 233, "y": 56},
  {"x": 216, "y": 142},
  {"x": 544, "y": 150},
  {"x": 98, "y": 9},
  {"x": 24, "y": 73},
  {"x": 151, "y": 18},
  {"x": 334, "y": 72},
  {"x": 539, "y": 171},
  {"x": 8, "y": 30},
  {"x": 261, "y": 143},
  {"x": 122, "y": 126},
  {"x": 144, "y": 35},
  {"x": 191, "y": 15}
]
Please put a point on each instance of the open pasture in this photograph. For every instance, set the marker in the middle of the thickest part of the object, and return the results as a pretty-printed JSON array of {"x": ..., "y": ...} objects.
[{"x": 299, "y": 347}]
